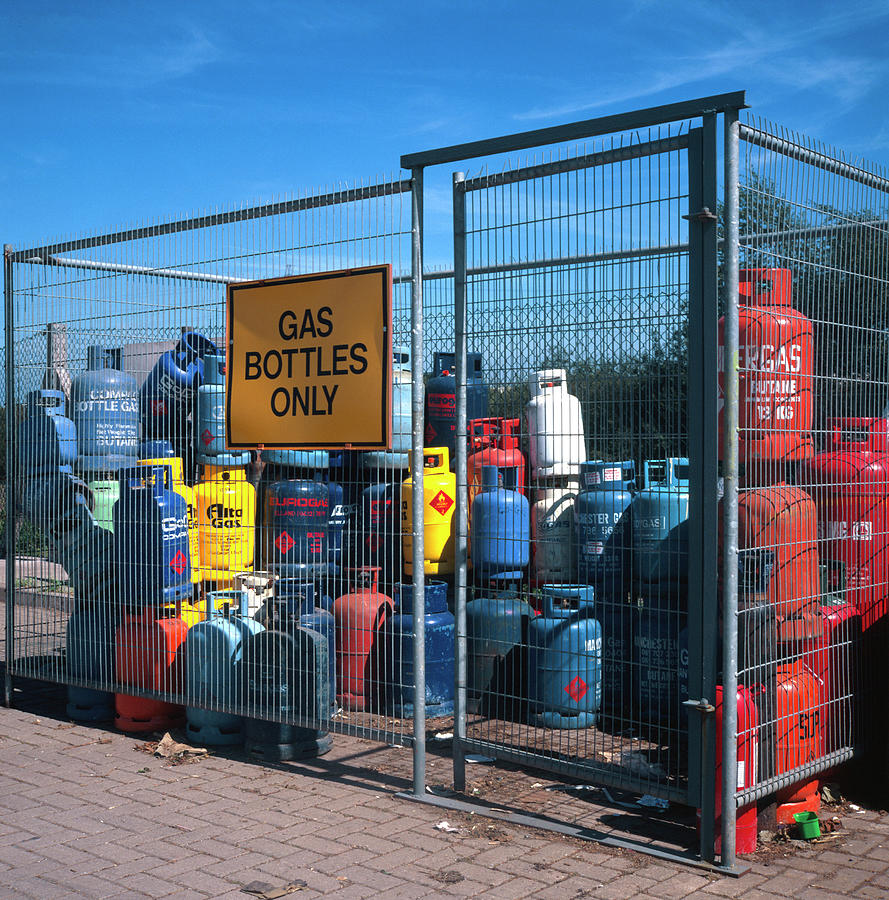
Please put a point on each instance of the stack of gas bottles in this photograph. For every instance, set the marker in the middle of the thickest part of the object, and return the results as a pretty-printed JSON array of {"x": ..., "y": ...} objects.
[{"x": 578, "y": 565}]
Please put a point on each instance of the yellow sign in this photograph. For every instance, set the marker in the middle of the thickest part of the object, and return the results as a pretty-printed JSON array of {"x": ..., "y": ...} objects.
[{"x": 310, "y": 361}]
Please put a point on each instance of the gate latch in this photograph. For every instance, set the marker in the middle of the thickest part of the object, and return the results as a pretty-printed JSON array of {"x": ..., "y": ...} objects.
[
  {"x": 703, "y": 705},
  {"x": 703, "y": 215}
]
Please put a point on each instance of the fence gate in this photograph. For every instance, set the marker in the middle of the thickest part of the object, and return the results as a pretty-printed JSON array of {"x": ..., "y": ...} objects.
[{"x": 587, "y": 284}]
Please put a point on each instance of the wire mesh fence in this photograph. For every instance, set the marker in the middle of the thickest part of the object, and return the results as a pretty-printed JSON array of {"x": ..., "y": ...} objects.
[
  {"x": 167, "y": 579},
  {"x": 575, "y": 390},
  {"x": 577, "y": 476},
  {"x": 814, "y": 256}
]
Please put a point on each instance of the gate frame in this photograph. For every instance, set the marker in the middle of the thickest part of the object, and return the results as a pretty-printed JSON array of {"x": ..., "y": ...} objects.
[{"x": 702, "y": 162}]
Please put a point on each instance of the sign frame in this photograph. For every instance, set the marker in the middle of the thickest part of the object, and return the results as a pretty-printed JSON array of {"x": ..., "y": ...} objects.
[{"x": 382, "y": 439}]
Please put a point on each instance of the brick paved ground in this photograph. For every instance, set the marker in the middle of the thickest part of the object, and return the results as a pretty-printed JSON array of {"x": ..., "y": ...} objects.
[{"x": 82, "y": 814}]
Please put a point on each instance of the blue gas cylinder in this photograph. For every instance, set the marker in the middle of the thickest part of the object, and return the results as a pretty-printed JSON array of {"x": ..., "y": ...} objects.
[
  {"x": 89, "y": 653},
  {"x": 500, "y": 529},
  {"x": 496, "y": 646},
  {"x": 656, "y": 665},
  {"x": 296, "y": 602},
  {"x": 284, "y": 677},
  {"x": 398, "y": 633},
  {"x": 565, "y": 659},
  {"x": 212, "y": 652},
  {"x": 398, "y": 456},
  {"x": 167, "y": 394},
  {"x": 379, "y": 530},
  {"x": 603, "y": 542},
  {"x": 105, "y": 404},
  {"x": 156, "y": 449},
  {"x": 618, "y": 617},
  {"x": 209, "y": 435},
  {"x": 441, "y": 399},
  {"x": 295, "y": 524},
  {"x": 298, "y": 459},
  {"x": 47, "y": 439},
  {"x": 660, "y": 536},
  {"x": 152, "y": 550},
  {"x": 59, "y": 505}
]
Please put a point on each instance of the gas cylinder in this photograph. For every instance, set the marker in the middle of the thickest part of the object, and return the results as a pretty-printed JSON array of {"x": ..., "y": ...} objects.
[
  {"x": 105, "y": 403},
  {"x": 496, "y": 645},
  {"x": 209, "y": 435},
  {"x": 147, "y": 656},
  {"x": 106, "y": 492},
  {"x": 151, "y": 540},
  {"x": 745, "y": 823},
  {"x": 798, "y": 737},
  {"x": 175, "y": 481},
  {"x": 565, "y": 659},
  {"x": 619, "y": 619},
  {"x": 500, "y": 530},
  {"x": 89, "y": 654},
  {"x": 212, "y": 651},
  {"x": 495, "y": 442},
  {"x": 556, "y": 443},
  {"x": 257, "y": 587},
  {"x": 379, "y": 530},
  {"x": 832, "y": 657},
  {"x": 167, "y": 395},
  {"x": 47, "y": 438},
  {"x": 439, "y": 497},
  {"x": 660, "y": 542},
  {"x": 360, "y": 615},
  {"x": 850, "y": 487},
  {"x": 58, "y": 505},
  {"x": 441, "y": 399},
  {"x": 781, "y": 518},
  {"x": 398, "y": 455},
  {"x": 776, "y": 353},
  {"x": 156, "y": 448},
  {"x": 656, "y": 663},
  {"x": 553, "y": 549},
  {"x": 439, "y": 649},
  {"x": 226, "y": 513},
  {"x": 603, "y": 544},
  {"x": 284, "y": 677},
  {"x": 296, "y": 515},
  {"x": 296, "y": 602}
]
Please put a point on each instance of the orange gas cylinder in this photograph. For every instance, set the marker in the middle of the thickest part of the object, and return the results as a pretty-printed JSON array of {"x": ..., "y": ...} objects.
[
  {"x": 146, "y": 656},
  {"x": 850, "y": 486},
  {"x": 781, "y": 518},
  {"x": 797, "y": 735},
  {"x": 494, "y": 442},
  {"x": 359, "y": 616},
  {"x": 776, "y": 350}
]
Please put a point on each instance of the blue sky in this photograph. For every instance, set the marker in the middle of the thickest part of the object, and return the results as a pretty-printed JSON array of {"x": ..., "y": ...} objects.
[{"x": 120, "y": 113}]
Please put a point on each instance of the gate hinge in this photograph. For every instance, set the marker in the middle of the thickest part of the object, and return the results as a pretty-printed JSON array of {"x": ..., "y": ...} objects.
[
  {"x": 703, "y": 215},
  {"x": 703, "y": 705}
]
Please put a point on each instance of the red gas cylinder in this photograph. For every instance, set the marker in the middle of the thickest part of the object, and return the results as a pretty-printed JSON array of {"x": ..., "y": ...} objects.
[
  {"x": 495, "y": 442},
  {"x": 745, "y": 824},
  {"x": 850, "y": 485},
  {"x": 146, "y": 656},
  {"x": 781, "y": 518},
  {"x": 798, "y": 737},
  {"x": 776, "y": 364},
  {"x": 359, "y": 617}
]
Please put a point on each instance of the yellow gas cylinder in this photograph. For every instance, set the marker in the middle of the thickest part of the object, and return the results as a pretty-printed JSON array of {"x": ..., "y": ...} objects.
[
  {"x": 439, "y": 498},
  {"x": 226, "y": 513},
  {"x": 176, "y": 482}
]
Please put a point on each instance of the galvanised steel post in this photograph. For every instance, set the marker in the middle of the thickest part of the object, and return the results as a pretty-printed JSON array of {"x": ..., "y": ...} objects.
[
  {"x": 730, "y": 496},
  {"x": 417, "y": 481},
  {"x": 462, "y": 512},
  {"x": 11, "y": 481}
]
